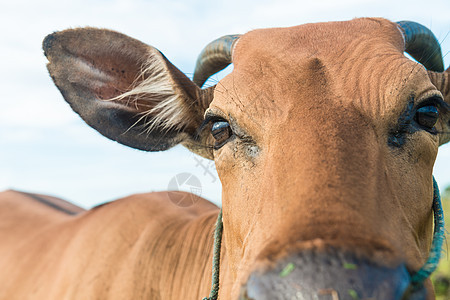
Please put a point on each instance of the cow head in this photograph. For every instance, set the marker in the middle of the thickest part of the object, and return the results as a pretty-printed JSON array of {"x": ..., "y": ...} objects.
[{"x": 324, "y": 137}]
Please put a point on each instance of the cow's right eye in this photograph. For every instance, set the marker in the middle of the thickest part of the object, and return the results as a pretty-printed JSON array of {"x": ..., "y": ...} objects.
[
  {"x": 427, "y": 116},
  {"x": 221, "y": 131}
]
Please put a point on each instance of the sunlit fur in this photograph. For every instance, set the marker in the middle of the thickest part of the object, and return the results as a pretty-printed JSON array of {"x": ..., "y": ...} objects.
[{"x": 154, "y": 88}]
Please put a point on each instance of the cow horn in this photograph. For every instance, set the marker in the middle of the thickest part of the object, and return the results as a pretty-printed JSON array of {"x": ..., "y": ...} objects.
[
  {"x": 215, "y": 57},
  {"x": 422, "y": 45}
]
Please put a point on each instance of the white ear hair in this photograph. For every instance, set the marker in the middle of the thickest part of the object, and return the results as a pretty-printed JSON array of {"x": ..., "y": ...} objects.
[{"x": 167, "y": 108}]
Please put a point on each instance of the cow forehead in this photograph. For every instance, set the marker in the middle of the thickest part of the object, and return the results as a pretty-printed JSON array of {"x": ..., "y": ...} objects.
[
  {"x": 334, "y": 42},
  {"x": 358, "y": 63},
  {"x": 308, "y": 35}
]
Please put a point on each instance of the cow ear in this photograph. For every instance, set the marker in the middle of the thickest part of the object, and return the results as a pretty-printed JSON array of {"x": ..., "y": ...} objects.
[
  {"x": 126, "y": 90},
  {"x": 442, "y": 83}
]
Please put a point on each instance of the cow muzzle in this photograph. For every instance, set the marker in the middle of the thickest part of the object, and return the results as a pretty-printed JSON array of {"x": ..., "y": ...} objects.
[{"x": 334, "y": 276}]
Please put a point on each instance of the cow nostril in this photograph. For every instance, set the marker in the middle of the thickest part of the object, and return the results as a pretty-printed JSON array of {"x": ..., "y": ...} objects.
[{"x": 312, "y": 275}]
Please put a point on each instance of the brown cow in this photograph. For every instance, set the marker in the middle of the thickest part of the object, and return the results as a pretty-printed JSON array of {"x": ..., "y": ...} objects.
[{"x": 324, "y": 137}]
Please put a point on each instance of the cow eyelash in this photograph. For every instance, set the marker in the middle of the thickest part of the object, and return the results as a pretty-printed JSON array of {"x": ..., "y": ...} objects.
[
  {"x": 221, "y": 134},
  {"x": 430, "y": 110},
  {"x": 437, "y": 101},
  {"x": 235, "y": 129},
  {"x": 210, "y": 118}
]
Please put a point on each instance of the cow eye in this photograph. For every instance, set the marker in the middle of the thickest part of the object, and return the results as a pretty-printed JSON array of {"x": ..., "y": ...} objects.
[
  {"x": 427, "y": 116},
  {"x": 221, "y": 131}
]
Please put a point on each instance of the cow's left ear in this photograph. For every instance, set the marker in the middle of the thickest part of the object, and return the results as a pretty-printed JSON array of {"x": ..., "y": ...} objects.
[
  {"x": 442, "y": 82},
  {"x": 126, "y": 90}
]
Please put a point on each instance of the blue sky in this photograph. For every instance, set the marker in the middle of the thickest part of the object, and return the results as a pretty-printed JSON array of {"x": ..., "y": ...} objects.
[{"x": 46, "y": 148}]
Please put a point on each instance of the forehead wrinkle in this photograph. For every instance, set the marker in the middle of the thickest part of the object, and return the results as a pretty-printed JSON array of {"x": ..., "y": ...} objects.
[
  {"x": 231, "y": 95},
  {"x": 373, "y": 84},
  {"x": 226, "y": 99},
  {"x": 367, "y": 70}
]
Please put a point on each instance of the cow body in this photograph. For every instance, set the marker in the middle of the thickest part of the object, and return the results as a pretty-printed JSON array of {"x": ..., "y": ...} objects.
[{"x": 105, "y": 253}]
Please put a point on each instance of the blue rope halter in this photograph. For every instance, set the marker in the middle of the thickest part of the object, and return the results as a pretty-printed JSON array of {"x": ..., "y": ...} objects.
[
  {"x": 438, "y": 238},
  {"x": 416, "y": 280}
]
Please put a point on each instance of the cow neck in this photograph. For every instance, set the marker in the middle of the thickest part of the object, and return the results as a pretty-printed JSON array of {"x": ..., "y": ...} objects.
[{"x": 417, "y": 279}]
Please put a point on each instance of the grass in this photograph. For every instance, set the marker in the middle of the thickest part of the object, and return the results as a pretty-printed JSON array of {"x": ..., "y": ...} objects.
[{"x": 441, "y": 277}]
